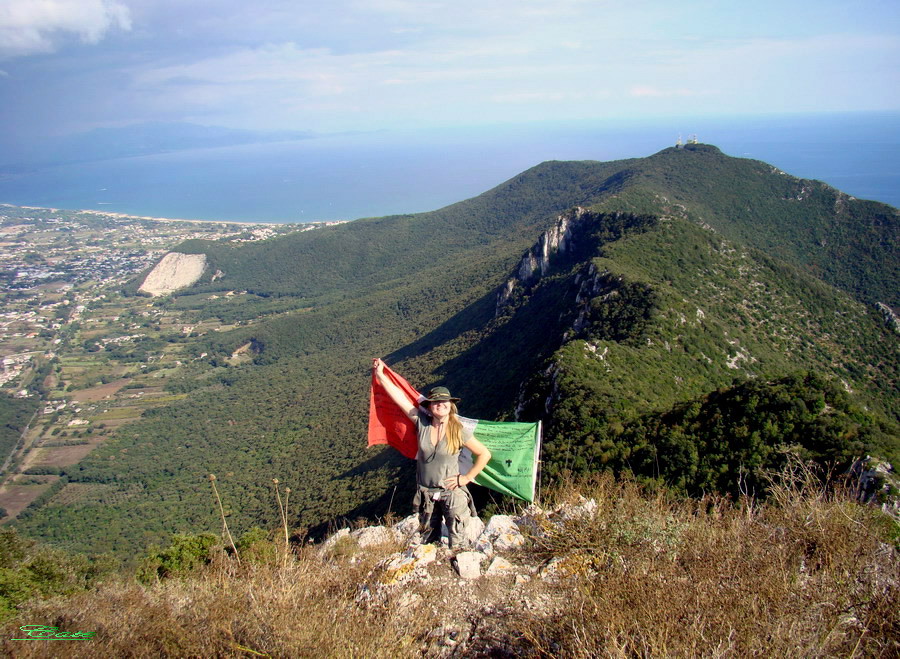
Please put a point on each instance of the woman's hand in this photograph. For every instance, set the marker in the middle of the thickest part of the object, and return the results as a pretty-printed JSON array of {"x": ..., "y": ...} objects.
[{"x": 396, "y": 394}]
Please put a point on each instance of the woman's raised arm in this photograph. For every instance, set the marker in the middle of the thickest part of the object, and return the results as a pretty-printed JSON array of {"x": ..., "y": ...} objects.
[{"x": 393, "y": 390}]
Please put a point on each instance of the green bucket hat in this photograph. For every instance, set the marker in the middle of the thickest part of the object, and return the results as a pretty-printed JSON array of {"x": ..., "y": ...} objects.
[{"x": 439, "y": 394}]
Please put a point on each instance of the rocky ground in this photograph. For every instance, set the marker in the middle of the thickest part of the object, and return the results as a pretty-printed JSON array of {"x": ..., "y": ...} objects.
[{"x": 471, "y": 589}]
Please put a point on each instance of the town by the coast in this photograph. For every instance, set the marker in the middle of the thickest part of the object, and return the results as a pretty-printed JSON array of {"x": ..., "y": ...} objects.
[{"x": 80, "y": 350}]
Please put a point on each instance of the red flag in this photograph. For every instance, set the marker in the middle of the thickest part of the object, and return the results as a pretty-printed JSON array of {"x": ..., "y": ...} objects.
[{"x": 388, "y": 424}]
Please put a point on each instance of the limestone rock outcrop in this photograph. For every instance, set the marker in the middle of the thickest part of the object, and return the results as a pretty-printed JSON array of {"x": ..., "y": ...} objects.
[
  {"x": 536, "y": 262},
  {"x": 173, "y": 272}
]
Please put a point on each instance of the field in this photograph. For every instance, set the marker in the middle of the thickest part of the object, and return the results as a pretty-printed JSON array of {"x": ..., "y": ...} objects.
[
  {"x": 94, "y": 355},
  {"x": 16, "y": 498},
  {"x": 60, "y": 456},
  {"x": 100, "y": 392},
  {"x": 105, "y": 376}
]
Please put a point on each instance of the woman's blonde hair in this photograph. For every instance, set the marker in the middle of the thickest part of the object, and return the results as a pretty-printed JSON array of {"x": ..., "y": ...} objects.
[{"x": 454, "y": 431}]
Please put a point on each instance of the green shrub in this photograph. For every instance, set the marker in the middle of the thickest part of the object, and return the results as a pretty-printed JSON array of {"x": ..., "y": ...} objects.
[
  {"x": 184, "y": 554},
  {"x": 255, "y": 546}
]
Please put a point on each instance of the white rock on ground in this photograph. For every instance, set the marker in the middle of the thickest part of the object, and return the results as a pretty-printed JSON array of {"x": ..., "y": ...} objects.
[
  {"x": 407, "y": 527},
  {"x": 333, "y": 538},
  {"x": 585, "y": 509},
  {"x": 500, "y": 566},
  {"x": 409, "y": 565},
  {"x": 509, "y": 541},
  {"x": 499, "y": 524},
  {"x": 503, "y": 534},
  {"x": 473, "y": 529},
  {"x": 468, "y": 564},
  {"x": 485, "y": 546},
  {"x": 373, "y": 535}
]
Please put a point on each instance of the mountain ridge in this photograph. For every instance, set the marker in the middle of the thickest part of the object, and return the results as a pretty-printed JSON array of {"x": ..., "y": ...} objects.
[
  {"x": 554, "y": 186},
  {"x": 423, "y": 290}
]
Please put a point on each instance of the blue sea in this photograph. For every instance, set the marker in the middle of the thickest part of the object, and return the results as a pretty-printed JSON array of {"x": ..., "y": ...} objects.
[{"x": 345, "y": 177}]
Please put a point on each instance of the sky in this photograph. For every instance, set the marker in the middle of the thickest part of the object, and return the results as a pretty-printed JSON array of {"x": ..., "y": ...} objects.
[{"x": 346, "y": 65}]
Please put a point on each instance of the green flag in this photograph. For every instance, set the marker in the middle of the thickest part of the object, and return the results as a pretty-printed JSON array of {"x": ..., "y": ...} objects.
[{"x": 515, "y": 449}]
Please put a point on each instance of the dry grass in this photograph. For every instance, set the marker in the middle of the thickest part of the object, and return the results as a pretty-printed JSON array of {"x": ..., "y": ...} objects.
[
  {"x": 302, "y": 609},
  {"x": 808, "y": 574}
]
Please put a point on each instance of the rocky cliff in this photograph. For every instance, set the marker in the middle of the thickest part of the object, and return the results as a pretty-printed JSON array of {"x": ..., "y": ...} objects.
[{"x": 536, "y": 261}]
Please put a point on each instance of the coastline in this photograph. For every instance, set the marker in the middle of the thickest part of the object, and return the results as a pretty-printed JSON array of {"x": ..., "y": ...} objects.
[
  {"x": 126, "y": 216},
  {"x": 404, "y": 173}
]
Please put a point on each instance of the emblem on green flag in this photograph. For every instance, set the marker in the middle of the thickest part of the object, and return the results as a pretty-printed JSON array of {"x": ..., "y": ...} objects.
[{"x": 515, "y": 449}]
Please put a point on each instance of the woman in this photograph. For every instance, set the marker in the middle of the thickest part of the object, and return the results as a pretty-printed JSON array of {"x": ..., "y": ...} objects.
[{"x": 442, "y": 493}]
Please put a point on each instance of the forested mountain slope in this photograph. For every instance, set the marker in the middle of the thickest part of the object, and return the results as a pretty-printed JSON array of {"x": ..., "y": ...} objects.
[
  {"x": 849, "y": 243},
  {"x": 351, "y": 258},
  {"x": 650, "y": 293}
]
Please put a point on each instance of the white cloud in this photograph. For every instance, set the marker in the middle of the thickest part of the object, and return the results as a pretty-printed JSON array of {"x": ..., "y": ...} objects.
[
  {"x": 37, "y": 26},
  {"x": 365, "y": 63}
]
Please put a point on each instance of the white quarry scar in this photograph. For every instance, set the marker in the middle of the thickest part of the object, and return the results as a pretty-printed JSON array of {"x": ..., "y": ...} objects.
[{"x": 174, "y": 271}]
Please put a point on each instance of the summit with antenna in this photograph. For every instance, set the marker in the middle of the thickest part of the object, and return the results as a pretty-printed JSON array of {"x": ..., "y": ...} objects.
[{"x": 691, "y": 140}]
